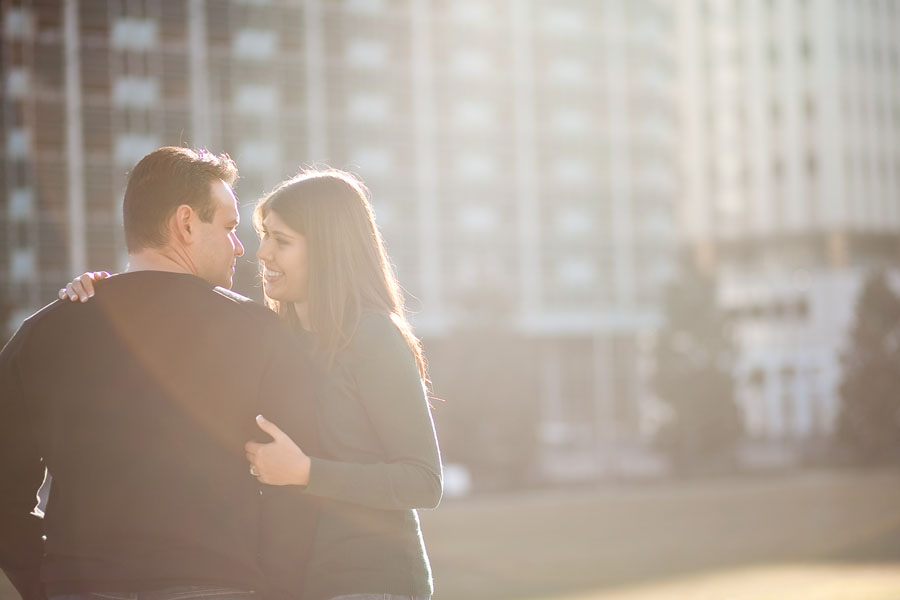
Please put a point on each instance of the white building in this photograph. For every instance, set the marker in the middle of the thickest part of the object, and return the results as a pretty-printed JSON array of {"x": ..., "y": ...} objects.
[{"x": 791, "y": 167}]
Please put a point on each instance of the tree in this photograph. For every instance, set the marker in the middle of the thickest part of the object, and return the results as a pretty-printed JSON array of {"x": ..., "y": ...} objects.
[
  {"x": 869, "y": 421},
  {"x": 693, "y": 356}
]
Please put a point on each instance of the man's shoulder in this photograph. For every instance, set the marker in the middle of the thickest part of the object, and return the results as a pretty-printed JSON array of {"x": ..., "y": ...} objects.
[
  {"x": 234, "y": 296},
  {"x": 243, "y": 304},
  {"x": 45, "y": 313}
]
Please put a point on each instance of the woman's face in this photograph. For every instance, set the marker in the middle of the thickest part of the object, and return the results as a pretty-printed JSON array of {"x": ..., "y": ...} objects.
[{"x": 282, "y": 252}]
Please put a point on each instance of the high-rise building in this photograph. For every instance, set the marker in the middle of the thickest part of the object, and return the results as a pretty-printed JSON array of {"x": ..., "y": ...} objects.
[
  {"x": 521, "y": 155},
  {"x": 790, "y": 118}
]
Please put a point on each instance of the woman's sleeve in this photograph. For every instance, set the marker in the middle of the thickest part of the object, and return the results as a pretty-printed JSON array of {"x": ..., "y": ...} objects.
[{"x": 391, "y": 390}]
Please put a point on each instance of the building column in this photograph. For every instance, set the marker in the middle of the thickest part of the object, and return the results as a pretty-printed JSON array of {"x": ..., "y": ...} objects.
[
  {"x": 74, "y": 141},
  {"x": 529, "y": 231},
  {"x": 199, "y": 75},
  {"x": 604, "y": 404},
  {"x": 616, "y": 36},
  {"x": 693, "y": 212},
  {"x": 317, "y": 110},
  {"x": 426, "y": 173}
]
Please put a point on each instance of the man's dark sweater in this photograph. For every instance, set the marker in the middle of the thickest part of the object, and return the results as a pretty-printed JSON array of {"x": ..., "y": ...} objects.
[{"x": 138, "y": 403}]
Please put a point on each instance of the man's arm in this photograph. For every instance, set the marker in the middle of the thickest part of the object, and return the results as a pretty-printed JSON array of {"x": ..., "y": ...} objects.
[
  {"x": 289, "y": 518},
  {"x": 21, "y": 474}
]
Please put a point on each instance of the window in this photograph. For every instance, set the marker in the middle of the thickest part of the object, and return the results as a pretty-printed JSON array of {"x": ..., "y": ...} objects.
[
  {"x": 571, "y": 170},
  {"x": 471, "y": 63},
  {"x": 256, "y": 99},
  {"x": 367, "y": 53},
  {"x": 22, "y": 265},
  {"x": 564, "y": 21},
  {"x": 366, "y": 7},
  {"x": 131, "y": 147},
  {"x": 572, "y": 221},
  {"x": 473, "y": 114},
  {"x": 21, "y": 204},
  {"x": 17, "y": 82},
  {"x": 472, "y": 13},
  {"x": 575, "y": 272},
  {"x": 806, "y": 50},
  {"x": 17, "y": 142},
  {"x": 569, "y": 71},
  {"x": 478, "y": 218},
  {"x": 372, "y": 160},
  {"x": 368, "y": 107},
  {"x": 476, "y": 167},
  {"x": 812, "y": 165},
  {"x": 778, "y": 169},
  {"x": 257, "y": 155},
  {"x": 570, "y": 121},
  {"x": 136, "y": 92},
  {"x": 254, "y": 44},
  {"x": 129, "y": 33},
  {"x": 18, "y": 23}
]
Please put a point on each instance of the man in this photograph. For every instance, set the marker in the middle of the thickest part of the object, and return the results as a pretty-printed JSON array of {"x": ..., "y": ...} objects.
[{"x": 139, "y": 402}]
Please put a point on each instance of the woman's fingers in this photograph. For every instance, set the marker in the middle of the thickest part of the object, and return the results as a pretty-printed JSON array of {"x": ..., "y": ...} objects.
[
  {"x": 82, "y": 287},
  {"x": 270, "y": 428},
  {"x": 87, "y": 283}
]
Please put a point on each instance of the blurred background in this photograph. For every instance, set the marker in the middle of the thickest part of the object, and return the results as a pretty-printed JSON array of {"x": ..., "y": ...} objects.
[{"x": 652, "y": 248}]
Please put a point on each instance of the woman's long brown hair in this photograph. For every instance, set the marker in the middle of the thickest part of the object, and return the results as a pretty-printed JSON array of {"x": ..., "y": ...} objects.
[{"x": 349, "y": 271}]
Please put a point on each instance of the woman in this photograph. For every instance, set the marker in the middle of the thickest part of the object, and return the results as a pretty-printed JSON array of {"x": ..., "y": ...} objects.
[{"x": 326, "y": 273}]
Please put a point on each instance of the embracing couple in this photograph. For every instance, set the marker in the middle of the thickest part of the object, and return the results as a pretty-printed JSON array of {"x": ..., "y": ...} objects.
[{"x": 203, "y": 446}]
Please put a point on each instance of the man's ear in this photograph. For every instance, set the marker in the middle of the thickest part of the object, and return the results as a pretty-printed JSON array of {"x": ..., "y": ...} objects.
[{"x": 182, "y": 224}]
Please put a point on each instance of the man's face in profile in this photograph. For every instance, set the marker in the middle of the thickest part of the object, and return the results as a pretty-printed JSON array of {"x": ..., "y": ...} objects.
[{"x": 218, "y": 246}]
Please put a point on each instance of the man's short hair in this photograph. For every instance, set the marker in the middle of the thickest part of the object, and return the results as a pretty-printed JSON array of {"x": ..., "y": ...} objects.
[{"x": 164, "y": 180}]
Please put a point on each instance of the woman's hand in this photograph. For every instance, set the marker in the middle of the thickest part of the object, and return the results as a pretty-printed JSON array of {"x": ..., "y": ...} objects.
[
  {"x": 82, "y": 287},
  {"x": 280, "y": 462}
]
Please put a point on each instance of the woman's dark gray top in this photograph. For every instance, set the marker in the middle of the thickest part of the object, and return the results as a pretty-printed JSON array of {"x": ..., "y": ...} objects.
[{"x": 379, "y": 462}]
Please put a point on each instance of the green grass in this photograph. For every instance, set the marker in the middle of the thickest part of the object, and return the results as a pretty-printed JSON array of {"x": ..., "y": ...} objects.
[{"x": 814, "y": 535}]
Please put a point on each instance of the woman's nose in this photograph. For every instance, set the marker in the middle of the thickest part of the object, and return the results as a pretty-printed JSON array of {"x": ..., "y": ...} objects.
[{"x": 261, "y": 251}]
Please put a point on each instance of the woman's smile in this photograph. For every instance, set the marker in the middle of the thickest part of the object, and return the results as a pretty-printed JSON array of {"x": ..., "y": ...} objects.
[
  {"x": 282, "y": 252},
  {"x": 272, "y": 274}
]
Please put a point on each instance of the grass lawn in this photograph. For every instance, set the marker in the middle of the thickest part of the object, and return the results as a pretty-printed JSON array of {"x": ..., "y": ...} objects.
[
  {"x": 560, "y": 544},
  {"x": 774, "y": 582},
  {"x": 810, "y": 536}
]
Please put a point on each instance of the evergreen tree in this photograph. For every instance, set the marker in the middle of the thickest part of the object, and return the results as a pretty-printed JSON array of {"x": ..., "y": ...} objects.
[
  {"x": 693, "y": 356},
  {"x": 869, "y": 421}
]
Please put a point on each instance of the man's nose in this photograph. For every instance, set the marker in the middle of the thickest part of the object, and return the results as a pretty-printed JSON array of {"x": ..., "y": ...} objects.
[{"x": 238, "y": 246}]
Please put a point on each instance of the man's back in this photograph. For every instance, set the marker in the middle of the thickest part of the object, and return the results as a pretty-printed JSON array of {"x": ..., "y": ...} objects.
[{"x": 142, "y": 429}]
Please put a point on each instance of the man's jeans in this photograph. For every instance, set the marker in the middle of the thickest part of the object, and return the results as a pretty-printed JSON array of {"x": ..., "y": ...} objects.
[{"x": 190, "y": 592}]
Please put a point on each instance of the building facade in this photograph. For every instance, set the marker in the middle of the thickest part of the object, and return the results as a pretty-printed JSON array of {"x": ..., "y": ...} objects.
[
  {"x": 520, "y": 155},
  {"x": 791, "y": 122}
]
